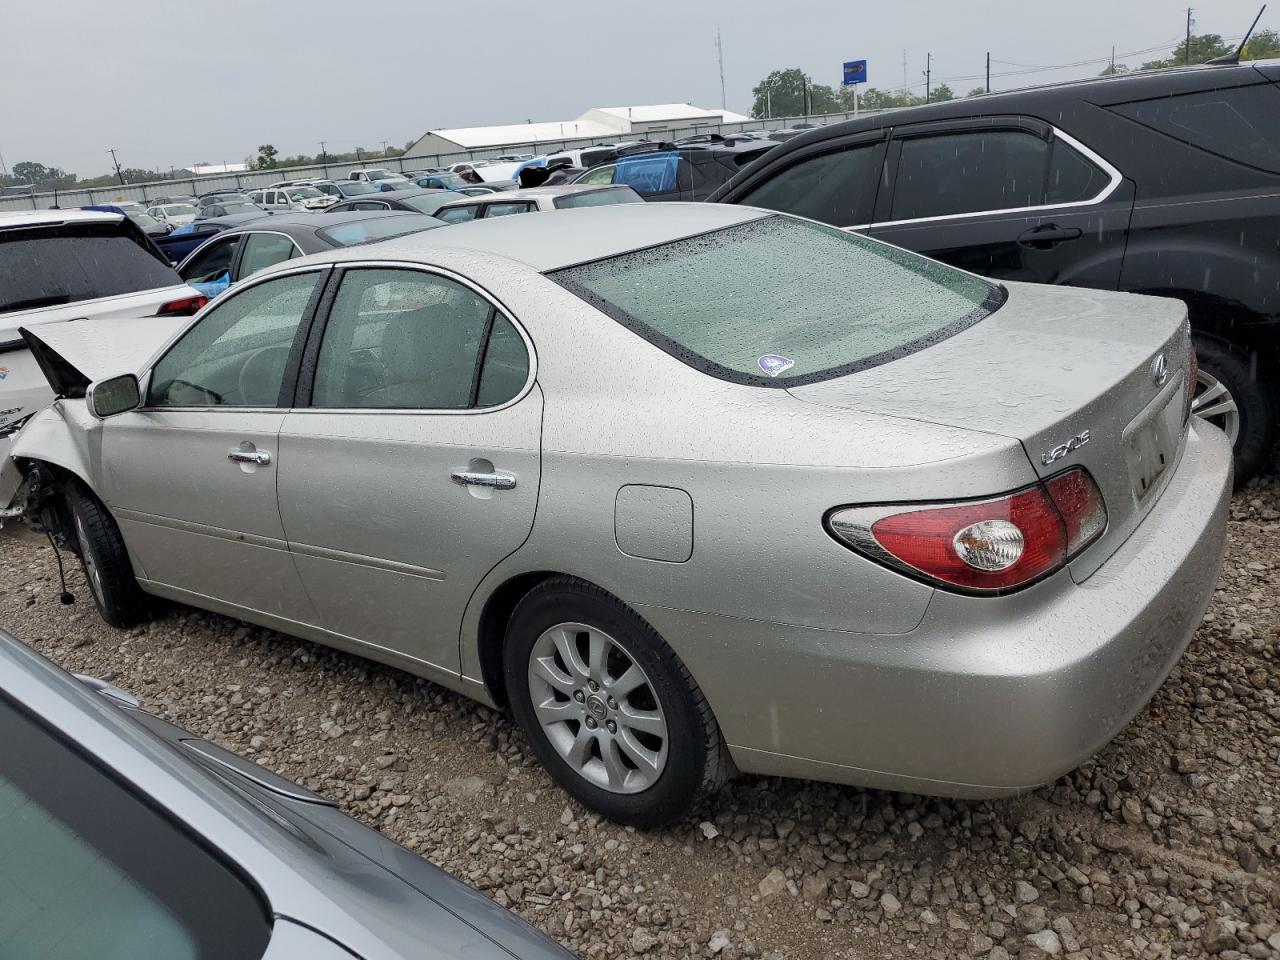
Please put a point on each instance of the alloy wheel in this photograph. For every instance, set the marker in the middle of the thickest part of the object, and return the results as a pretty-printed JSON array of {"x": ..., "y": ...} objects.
[
  {"x": 1213, "y": 402},
  {"x": 598, "y": 708}
]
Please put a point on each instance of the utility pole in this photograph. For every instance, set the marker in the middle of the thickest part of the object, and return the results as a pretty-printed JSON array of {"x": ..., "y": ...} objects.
[
  {"x": 112, "y": 151},
  {"x": 359, "y": 159},
  {"x": 905, "y": 85},
  {"x": 720, "y": 54},
  {"x": 928, "y": 70},
  {"x": 4, "y": 171},
  {"x": 989, "y": 68},
  {"x": 1186, "y": 57},
  {"x": 384, "y": 147}
]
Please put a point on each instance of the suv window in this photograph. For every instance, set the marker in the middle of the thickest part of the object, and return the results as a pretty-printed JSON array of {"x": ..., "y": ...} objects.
[
  {"x": 492, "y": 210},
  {"x": 602, "y": 174},
  {"x": 831, "y": 188},
  {"x": 969, "y": 172},
  {"x": 403, "y": 339},
  {"x": 66, "y": 263},
  {"x": 261, "y": 250},
  {"x": 972, "y": 172},
  {"x": 1238, "y": 123},
  {"x": 780, "y": 301},
  {"x": 235, "y": 355},
  {"x": 90, "y": 870}
]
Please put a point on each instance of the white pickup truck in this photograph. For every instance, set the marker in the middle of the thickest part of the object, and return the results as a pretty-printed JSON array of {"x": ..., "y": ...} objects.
[{"x": 72, "y": 265}]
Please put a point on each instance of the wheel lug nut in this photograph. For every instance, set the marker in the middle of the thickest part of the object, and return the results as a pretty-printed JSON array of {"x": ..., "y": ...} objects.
[
  {"x": 613, "y": 727},
  {"x": 594, "y": 686},
  {"x": 613, "y": 704},
  {"x": 579, "y": 695},
  {"x": 591, "y": 723}
]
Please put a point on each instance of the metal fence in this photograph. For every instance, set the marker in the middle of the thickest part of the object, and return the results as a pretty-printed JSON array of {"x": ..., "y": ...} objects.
[{"x": 252, "y": 179}]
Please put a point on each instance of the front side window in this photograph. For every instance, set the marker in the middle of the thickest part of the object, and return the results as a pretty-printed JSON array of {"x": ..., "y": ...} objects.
[
  {"x": 832, "y": 187},
  {"x": 598, "y": 175},
  {"x": 1238, "y": 123},
  {"x": 969, "y": 173},
  {"x": 92, "y": 871},
  {"x": 506, "y": 209},
  {"x": 236, "y": 354},
  {"x": 403, "y": 339},
  {"x": 459, "y": 214},
  {"x": 261, "y": 250},
  {"x": 211, "y": 262},
  {"x": 781, "y": 302}
]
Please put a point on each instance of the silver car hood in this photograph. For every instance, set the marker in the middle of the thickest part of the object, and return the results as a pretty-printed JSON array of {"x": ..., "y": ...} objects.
[
  {"x": 1049, "y": 365},
  {"x": 105, "y": 346}
]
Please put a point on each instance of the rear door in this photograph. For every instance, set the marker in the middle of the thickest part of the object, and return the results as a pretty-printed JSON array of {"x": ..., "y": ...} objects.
[
  {"x": 1009, "y": 197},
  {"x": 410, "y": 466}
]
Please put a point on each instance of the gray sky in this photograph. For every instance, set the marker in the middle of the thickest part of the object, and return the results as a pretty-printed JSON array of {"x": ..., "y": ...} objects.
[{"x": 172, "y": 84}]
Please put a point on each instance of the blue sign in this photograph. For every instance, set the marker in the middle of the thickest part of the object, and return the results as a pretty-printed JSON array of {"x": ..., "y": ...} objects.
[{"x": 855, "y": 71}]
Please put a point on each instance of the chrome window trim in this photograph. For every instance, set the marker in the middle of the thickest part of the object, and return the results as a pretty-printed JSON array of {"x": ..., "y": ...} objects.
[
  {"x": 1115, "y": 177},
  {"x": 474, "y": 287}
]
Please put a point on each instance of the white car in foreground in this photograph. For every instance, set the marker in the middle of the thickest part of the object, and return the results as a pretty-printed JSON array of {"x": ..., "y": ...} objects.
[{"x": 72, "y": 265}]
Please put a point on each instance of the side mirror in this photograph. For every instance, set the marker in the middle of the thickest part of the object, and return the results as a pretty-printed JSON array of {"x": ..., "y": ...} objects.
[{"x": 113, "y": 396}]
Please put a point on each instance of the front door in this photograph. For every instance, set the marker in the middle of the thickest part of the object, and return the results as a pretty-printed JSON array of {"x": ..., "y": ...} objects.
[
  {"x": 1018, "y": 201},
  {"x": 414, "y": 468},
  {"x": 191, "y": 476}
]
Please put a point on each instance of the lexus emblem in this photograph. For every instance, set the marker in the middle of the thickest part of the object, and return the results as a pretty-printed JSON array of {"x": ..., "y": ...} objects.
[{"x": 1160, "y": 370}]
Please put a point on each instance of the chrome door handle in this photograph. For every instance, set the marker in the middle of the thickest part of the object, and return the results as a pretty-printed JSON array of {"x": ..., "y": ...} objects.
[
  {"x": 495, "y": 480},
  {"x": 259, "y": 457}
]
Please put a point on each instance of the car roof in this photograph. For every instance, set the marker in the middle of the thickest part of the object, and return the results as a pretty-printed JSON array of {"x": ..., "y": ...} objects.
[
  {"x": 531, "y": 193},
  {"x": 1039, "y": 100},
  {"x": 24, "y": 218},
  {"x": 550, "y": 241},
  {"x": 304, "y": 224}
]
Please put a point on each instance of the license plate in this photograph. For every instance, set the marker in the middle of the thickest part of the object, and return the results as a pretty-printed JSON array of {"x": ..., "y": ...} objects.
[{"x": 1151, "y": 442}]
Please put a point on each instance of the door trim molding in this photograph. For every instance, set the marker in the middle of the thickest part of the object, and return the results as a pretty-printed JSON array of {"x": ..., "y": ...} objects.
[
  {"x": 201, "y": 529},
  {"x": 360, "y": 560}
]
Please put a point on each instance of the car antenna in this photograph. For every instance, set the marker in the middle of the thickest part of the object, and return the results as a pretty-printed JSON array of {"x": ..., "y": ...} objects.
[{"x": 1234, "y": 58}]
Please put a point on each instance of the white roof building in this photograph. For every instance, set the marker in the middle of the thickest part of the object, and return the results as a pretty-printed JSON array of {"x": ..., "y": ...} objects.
[
  {"x": 203, "y": 169},
  {"x": 596, "y": 123}
]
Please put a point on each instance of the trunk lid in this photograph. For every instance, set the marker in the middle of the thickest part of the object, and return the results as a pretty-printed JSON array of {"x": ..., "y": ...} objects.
[{"x": 1069, "y": 373}]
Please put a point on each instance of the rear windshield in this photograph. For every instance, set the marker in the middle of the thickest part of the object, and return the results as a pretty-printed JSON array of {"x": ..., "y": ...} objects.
[
  {"x": 91, "y": 871},
  {"x": 46, "y": 266},
  {"x": 598, "y": 198},
  {"x": 783, "y": 302},
  {"x": 376, "y": 228}
]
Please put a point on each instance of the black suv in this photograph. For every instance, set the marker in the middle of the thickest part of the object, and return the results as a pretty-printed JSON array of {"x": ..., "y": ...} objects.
[{"x": 1163, "y": 183}]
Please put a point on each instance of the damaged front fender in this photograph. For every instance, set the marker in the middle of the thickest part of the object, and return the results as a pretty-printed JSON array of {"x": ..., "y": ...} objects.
[{"x": 65, "y": 435}]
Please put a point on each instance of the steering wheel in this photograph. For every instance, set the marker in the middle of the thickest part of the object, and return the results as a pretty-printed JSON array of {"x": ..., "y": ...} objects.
[{"x": 263, "y": 366}]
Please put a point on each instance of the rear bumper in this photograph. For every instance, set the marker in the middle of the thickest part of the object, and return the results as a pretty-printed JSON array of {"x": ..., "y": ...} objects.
[{"x": 987, "y": 696}]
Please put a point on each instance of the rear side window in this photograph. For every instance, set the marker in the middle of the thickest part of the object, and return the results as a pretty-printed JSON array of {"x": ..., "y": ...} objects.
[
  {"x": 46, "y": 266},
  {"x": 969, "y": 172},
  {"x": 261, "y": 250},
  {"x": 507, "y": 209},
  {"x": 783, "y": 302},
  {"x": 381, "y": 228},
  {"x": 832, "y": 188},
  {"x": 92, "y": 871},
  {"x": 1239, "y": 123}
]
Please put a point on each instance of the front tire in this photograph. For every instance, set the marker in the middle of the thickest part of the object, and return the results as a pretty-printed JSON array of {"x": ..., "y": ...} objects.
[
  {"x": 611, "y": 712},
  {"x": 1232, "y": 394},
  {"x": 106, "y": 564}
]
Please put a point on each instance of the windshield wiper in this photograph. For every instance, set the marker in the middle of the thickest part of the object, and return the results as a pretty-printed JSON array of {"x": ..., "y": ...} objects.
[{"x": 32, "y": 302}]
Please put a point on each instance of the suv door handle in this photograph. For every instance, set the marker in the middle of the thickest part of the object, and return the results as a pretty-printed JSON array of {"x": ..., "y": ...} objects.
[
  {"x": 495, "y": 480},
  {"x": 1047, "y": 235}
]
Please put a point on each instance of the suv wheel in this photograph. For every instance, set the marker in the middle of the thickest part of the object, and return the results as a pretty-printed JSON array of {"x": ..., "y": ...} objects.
[
  {"x": 1232, "y": 395},
  {"x": 612, "y": 713}
]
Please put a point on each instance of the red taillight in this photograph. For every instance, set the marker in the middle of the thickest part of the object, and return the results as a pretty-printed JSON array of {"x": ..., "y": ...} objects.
[
  {"x": 186, "y": 307},
  {"x": 987, "y": 546}
]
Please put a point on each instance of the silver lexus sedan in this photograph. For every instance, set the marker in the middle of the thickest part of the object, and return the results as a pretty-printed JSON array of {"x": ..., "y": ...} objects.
[
  {"x": 124, "y": 837},
  {"x": 688, "y": 488}
]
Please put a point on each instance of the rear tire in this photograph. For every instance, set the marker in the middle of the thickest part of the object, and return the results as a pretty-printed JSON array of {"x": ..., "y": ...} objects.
[
  {"x": 647, "y": 757},
  {"x": 105, "y": 560},
  {"x": 1233, "y": 395}
]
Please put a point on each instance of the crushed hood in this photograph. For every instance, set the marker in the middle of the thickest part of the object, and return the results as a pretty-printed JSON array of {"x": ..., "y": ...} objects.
[{"x": 74, "y": 353}]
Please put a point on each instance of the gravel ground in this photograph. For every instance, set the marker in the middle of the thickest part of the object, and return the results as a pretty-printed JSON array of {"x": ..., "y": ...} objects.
[{"x": 1165, "y": 844}]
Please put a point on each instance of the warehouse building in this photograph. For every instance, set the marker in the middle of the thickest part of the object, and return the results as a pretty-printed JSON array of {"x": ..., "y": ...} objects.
[{"x": 597, "y": 123}]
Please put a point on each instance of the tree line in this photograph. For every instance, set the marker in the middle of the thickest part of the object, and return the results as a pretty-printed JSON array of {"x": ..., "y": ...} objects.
[{"x": 789, "y": 93}]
